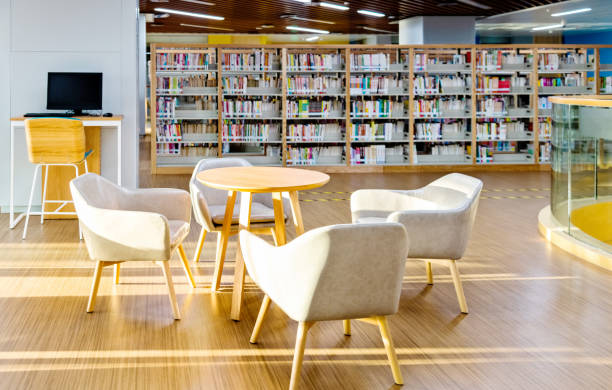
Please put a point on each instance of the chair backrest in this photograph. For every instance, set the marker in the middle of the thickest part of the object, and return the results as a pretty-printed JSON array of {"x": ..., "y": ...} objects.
[
  {"x": 334, "y": 272},
  {"x": 55, "y": 140},
  {"x": 212, "y": 195},
  {"x": 456, "y": 190}
]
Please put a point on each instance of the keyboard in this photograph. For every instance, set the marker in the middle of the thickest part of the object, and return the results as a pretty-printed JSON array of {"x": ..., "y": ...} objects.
[{"x": 47, "y": 115}]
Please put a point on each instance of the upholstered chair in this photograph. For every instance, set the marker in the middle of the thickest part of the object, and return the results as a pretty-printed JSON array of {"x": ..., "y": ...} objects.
[
  {"x": 438, "y": 218},
  {"x": 122, "y": 225},
  {"x": 338, "y": 272},
  {"x": 209, "y": 206}
]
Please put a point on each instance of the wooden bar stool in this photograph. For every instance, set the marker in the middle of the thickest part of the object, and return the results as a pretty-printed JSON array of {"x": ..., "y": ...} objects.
[{"x": 54, "y": 142}]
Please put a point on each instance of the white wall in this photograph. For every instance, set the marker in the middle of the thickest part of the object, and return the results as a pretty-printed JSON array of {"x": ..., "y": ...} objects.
[
  {"x": 431, "y": 30},
  {"x": 69, "y": 35}
]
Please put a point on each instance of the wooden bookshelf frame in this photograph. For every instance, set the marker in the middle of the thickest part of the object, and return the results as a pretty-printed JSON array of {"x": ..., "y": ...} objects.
[{"x": 346, "y": 50}]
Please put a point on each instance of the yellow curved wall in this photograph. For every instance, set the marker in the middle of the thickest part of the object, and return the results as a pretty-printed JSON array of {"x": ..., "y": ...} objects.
[{"x": 595, "y": 220}]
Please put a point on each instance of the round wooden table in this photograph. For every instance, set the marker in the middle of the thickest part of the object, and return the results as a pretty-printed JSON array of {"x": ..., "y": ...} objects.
[{"x": 250, "y": 180}]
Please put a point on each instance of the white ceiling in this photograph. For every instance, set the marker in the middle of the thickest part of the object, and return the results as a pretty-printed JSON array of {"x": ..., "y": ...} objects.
[{"x": 522, "y": 22}]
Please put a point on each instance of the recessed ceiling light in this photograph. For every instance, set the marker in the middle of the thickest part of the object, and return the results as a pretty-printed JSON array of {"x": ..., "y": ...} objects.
[
  {"x": 378, "y": 30},
  {"x": 311, "y": 30},
  {"x": 156, "y": 25},
  {"x": 207, "y": 27},
  {"x": 302, "y": 1},
  {"x": 549, "y": 27},
  {"x": 267, "y": 26},
  {"x": 161, "y": 16},
  {"x": 311, "y": 20},
  {"x": 333, "y": 5},
  {"x": 474, "y": 4},
  {"x": 193, "y": 14},
  {"x": 312, "y": 38},
  {"x": 371, "y": 13},
  {"x": 576, "y": 11},
  {"x": 198, "y": 2}
]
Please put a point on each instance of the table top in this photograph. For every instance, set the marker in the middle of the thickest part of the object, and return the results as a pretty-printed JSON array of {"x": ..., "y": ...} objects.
[
  {"x": 262, "y": 179},
  {"x": 83, "y": 118}
]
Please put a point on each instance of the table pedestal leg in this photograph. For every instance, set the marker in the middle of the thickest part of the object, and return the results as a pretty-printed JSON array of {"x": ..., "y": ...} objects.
[{"x": 239, "y": 268}]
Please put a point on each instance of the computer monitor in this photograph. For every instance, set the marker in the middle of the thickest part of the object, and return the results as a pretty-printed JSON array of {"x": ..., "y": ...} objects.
[{"x": 74, "y": 91}]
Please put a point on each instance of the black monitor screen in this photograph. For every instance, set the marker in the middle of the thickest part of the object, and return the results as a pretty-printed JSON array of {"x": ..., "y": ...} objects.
[{"x": 74, "y": 91}]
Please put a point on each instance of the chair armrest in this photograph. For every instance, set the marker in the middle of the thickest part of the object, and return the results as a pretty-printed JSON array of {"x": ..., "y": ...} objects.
[
  {"x": 113, "y": 235},
  {"x": 172, "y": 203},
  {"x": 435, "y": 234},
  {"x": 380, "y": 203},
  {"x": 200, "y": 208}
]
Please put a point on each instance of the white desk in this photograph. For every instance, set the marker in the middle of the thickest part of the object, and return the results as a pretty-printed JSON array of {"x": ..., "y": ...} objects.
[{"x": 97, "y": 121}]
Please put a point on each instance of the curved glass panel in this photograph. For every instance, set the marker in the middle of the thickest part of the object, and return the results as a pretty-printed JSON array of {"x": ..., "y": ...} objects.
[{"x": 581, "y": 185}]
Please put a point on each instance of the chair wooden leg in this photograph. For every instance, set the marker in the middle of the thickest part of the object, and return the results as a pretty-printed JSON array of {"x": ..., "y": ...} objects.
[
  {"x": 393, "y": 362},
  {"x": 94, "y": 286},
  {"x": 222, "y": 239},
  {"x": 199, "y": 246},
  {"x": 265, "y": 304},
  {"x": 186, "y": 268},
  {"x": 116, "y": 270},
  {"x": 429, "y": 273},
  {"x": 458, "y": 286},
  {"x": 298, "y": 357},
  {"x": 347, "y": 327},
  {"x": 165, "y": 265}
]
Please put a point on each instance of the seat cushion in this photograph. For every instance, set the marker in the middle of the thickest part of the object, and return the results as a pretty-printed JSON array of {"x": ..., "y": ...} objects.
[
  {"x": 371, "y": 220},
  {"x": 178, "y": 231},
  {"x": 259, "y": 213}
]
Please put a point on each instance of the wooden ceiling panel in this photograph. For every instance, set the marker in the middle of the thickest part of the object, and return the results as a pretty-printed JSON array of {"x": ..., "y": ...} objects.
[{"x": 245, "y": 16}]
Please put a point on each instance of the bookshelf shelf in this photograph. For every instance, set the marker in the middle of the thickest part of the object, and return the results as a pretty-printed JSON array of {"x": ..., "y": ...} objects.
[{"x": 264, "y": 103}]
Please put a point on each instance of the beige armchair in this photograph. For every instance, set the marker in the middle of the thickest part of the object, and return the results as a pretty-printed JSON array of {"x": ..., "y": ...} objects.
[
  {"x": 209, "y": 205},
  {"x": 339, "y": 272},
  {"x": 122, "y": 225},
  {"x": 438, "y": 218}
]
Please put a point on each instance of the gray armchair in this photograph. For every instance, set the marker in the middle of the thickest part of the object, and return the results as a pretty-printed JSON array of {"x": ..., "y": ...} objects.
[
  {"x": 438, "y": 219},
  {"x": 209, "y": 206},
  {"x": 339, "y": 272},
  {"x": 122, "y": 225}
]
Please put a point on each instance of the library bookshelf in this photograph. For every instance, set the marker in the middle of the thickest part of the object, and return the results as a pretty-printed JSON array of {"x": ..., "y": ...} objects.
[{"x": 364, "y": 108}]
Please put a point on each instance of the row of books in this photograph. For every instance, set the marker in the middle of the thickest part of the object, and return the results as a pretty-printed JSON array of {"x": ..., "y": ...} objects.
[
  {"x": 437, "y": 84},
  {"x": 448, "y": 150},
  {"x": 496, "y": 59},
  {"x": 377, "y": 131},
  {"x": 186, "y": 150},
  {"x": 375, "y": 84},
  {"x": 500, "y": 130},
  {"x": 311, "y": 61},
  {"x": 433, "y": 107},
  {"x": 606, "y": 84},
  {"x": 568, "y": 80},
  {"x": 241, "y": 131},
  {"x": 185, "y": 61},
  {"x": 167, "y": 107},
  {"x": 439, "y": 130},
  {"x": 376, "y": 154},
  {"x": 551, "y": 61},
  {"x": 240, "y": 83},
  {"x": 173, "y": 130},
  {"x": 492, "y": 106},
  {"x": 313, "y": 84},
  {"x": 377, "y": 108},
  {"x": 176, "y": 84},
  {"x": 545, "y": 128},
  {"x": 370, "y": 61},
  {"x": 253, "y": 61},
  {"x": 312, "y": 155},
  {"x": 314, "y": 131},
  {"x": 544, "y": 103},
  {"x": 421, "y": 60},
  {"x": 545, "y": 152},
  {"x": 305, "y": 108},
  {"x": 500, "y": 84},
  {"x": 250, "y": 108}
]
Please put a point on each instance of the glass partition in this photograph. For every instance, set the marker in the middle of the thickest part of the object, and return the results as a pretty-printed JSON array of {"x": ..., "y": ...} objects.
[{"x": 581, "y": 185}]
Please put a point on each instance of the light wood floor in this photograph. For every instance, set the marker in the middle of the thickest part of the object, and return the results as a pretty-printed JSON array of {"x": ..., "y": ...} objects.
[{"x": 539, "y": 318}]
